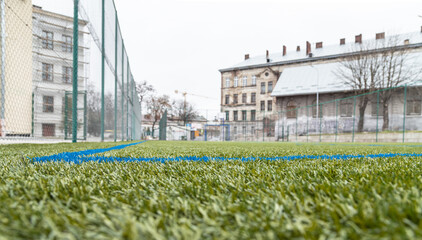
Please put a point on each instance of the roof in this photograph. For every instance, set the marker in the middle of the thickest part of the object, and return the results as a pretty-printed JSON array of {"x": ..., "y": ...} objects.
[
  {"x": 415, "y": 40},
  {"x": 303, "y": 80}
]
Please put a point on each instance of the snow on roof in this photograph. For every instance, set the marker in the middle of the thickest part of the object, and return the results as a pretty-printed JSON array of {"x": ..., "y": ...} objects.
[
  {"x": 304, "y": 80},
  {"x": 309, "y": 79},
  {"x": 330, "y": 50}
]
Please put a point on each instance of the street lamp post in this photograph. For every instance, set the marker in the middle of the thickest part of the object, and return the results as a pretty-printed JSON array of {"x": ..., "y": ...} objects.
[
  {"x": 184, "y": 111},
  {"x": 317, "y": 100},
  {"x": 317, "y": 91}
]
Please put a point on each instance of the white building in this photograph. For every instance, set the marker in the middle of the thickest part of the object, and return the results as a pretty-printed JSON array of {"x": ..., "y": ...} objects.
[{"x": 52, "y": 74}]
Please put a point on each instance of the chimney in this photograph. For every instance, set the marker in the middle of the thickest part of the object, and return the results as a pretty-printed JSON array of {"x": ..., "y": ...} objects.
[
  {"x": 268, "y": 56},
  {"x": 246, "y": 56},
  {"x": 380, "y": 36},
  {"x": 406, "y": 42},
  {"x": 342, "y": 41},
  {"x": 421, "y": 29},
  {"x": 318, "y": 45},
  {"x": 358, "y": 38},
  {"x": 298, "y": 49},
  {"x": 308, "y": 48},
  {"x": 284, "y": 50}
]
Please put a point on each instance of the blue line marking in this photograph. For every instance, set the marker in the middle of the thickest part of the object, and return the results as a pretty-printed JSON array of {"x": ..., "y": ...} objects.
[
  {"x": 358, "y": 145},
  {"x": 101, "y": 159},
  {"x": 74, "y": 156}
]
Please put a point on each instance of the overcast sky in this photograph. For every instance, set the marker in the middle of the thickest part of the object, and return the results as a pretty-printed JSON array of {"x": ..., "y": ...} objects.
[{"x": 181, "y": 44}]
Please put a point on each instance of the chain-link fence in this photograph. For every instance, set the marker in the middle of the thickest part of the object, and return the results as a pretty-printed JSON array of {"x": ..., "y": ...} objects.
[
  {"x": 51, "y": 62},
  {"x": 386, "y": 115}
]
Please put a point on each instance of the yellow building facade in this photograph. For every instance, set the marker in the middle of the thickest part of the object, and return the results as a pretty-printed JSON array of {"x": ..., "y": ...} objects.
[{"x": 16, "y": 95}]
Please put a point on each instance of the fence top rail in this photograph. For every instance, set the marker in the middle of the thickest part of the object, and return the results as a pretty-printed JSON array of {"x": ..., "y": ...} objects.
[{"x": 353, "y": 97}]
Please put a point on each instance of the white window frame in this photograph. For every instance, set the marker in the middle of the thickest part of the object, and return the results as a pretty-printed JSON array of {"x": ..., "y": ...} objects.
[
  {"x": 253, "y": 80},
  {"x": 245, "y": 81},
  {"x": 67, "y": 43},
  {"x": 227, "y": 82},
  {"x": 236, "y": 81}
]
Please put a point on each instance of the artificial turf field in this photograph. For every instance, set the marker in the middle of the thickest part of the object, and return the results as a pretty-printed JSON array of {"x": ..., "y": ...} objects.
[{"x": 202, "y": 190}]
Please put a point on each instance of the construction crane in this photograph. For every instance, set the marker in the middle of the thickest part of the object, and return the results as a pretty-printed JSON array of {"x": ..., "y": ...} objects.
[
  {"x": 195, "y": 95},
  {"x": 185, "y": 102}
]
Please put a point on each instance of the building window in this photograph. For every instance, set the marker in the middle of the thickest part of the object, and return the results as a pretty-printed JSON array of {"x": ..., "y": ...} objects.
[
  {"x": 374, "y": 108},
  {"x": 47, "y": 40},
  {"x": 413, "y": 107},
  {"x": 235, "y": 98},
  {"x": 253, "y": 80},
  {"x": 244, "y": 130},
  {"x": 48, "y": 130},
  {"x": 346, "y": 108},
  {"x": 236, "y": 80},
  {"x": 235, "y": 118},
  {"x": 47, "y": 72},
  {"x": 227, "y": 99},
  {"x": 227, "y": 116},
  {"x": 314, "y": 110},
  {"x": 67, "y": 43},
  {"x": 243, "y": 115},
  {"x": 243, "y": 97},
  {"x": 235, "y": 130},
  {"x": 253, "y": 97},
  {"x": 270, "y": 105},
  {"x": 253, "y": 115},
  {"x": 67, "y": 74},
  {"x": 270, "y": 87},
  {"x": 262, "y": 105},
  {"x": 227, "y": 82},
  {"x": 48, "y": 104},
  {"x": 291, "y": 110},
  {"x": 253, "y": 130},
  {"x": 244, "y": 81},
  {"x": 262, "y": 88}
]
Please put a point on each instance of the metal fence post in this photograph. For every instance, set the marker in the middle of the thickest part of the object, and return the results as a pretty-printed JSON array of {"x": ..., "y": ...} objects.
[
  {"x": 133, "y": 109},
  {"x": 75, "y": 71},
  {"x": 123, "y": 91},
  {"x": 85, "y": 113},
  {"x": 404, "y": 111},
  {"x": 127, "y": 99},
  {"x": 378, "y": 103},
  {"x": 319, "y": 108},
  {"x": 336, "y": 120},
  {"x": 307, "y": 124},
  {"x": 102, "y": 69},
  {"x": 33, "y": 114},
  {"x": 263, "y": 126},
  {"x": 297, "y": 116},
  {"x": 66, "y": 112},
  {"x": 354, "y": 118},
  {"x": 115, "y": 78}
]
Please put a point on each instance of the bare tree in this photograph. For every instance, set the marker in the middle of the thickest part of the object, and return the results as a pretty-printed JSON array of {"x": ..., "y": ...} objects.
[
  {"x": 380, "y": 64},
  {"x": 359, "y": 72},
  {"x": 94, "y": 110},
  {"x": 156, "y": 106},
  {"x": 144, "y": 91},
  {"x": 396, "y": 69},
  {"x": 184, "y": 111}
]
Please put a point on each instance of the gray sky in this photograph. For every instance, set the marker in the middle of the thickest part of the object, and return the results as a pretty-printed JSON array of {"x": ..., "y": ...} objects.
[{"x": 181, "y": 44}]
